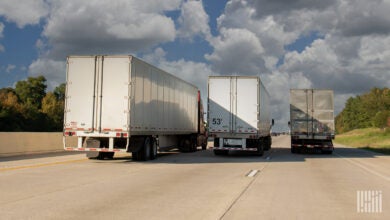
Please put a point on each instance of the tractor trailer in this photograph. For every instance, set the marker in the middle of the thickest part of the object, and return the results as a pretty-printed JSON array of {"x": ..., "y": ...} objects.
[
  {"x": 239, "y": 115},
  {"x": 123, "y": 104},
  {"x": 311, "y": 120}
]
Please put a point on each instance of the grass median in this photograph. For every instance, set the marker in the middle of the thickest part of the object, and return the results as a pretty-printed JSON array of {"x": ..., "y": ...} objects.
[{"x": 372, "y": 139}]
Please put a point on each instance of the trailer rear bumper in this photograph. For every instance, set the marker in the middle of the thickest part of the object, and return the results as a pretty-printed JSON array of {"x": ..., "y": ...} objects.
[
  {"x": 233, "y": 148},
  {"x": 311, "y": 148},
  {"x": 83, "y": 144},
  {"x": 325, "y": 147},
  {"x": 93, "y": 149}
]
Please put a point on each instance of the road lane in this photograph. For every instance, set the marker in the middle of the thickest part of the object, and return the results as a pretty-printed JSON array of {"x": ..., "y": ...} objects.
[
  {"x": 314, "y": 186},
  {"x": 175, "y": 186},
  {"x": 195, "y": 186}
]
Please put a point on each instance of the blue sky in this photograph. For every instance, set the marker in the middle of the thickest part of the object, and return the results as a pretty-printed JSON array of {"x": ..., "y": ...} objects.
[
  {"x": 342, "y": 45},
  {"x": 20, "y": 44},
  {"x": 20, "y": 51}
]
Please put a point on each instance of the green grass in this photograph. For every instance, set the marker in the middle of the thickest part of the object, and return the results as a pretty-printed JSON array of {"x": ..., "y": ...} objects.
[{"x": 373, "y": 139}]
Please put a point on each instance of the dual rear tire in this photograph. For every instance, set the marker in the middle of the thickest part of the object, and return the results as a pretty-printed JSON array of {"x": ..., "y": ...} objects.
[
  {"x": 148, "y": 150},
  {"x": 188, "y": 144},
  {"x": 260, "y": 149}
]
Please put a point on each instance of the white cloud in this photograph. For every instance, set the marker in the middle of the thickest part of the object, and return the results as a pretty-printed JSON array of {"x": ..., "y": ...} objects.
[
  {"x": 100, "y": 27},
  {"x": 2, "y": 49},
  {"x": 23, "y": 12},
  {"x": 10, "y": 68},
  {"x": 237, "y": 51},
  {"x": 266, "y": 7},
  {"x": 351, "y": 57},
  {"x": 193, "y": 20},
  {"x": 107, "y": 27},
  {"x": 155, "y": 6},
  {"x": 1, "y": 29},
  {"x": 360, "y": 17},
  {"x": 329, "y": 63},
  {"x": 272, "y": 34},
  {"x": 278, "y": 85},
  {"x": 53, "y": 71}
]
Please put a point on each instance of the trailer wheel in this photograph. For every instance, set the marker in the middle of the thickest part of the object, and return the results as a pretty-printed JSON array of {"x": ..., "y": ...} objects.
[
  {"x": 268, "y": 143},
  {"x": 202, "y": 141},
  {"x": 153, "y": 154},
  {"x": 194, "y": 143},
  {"x": 134, "y": 155},
  {"x": 146, "y": 149},
  {"x": 186, "y": 145},
  {"x": 260, "y": 149}
]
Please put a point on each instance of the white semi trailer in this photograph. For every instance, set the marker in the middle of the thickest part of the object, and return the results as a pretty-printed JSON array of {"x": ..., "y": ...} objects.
[
  {"x": 123, "y": 104},
  {"x": 312, "y": 120},
  {"x": 239, "y": 116}
]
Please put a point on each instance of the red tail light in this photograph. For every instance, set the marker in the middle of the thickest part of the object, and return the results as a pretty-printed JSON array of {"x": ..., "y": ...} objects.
[{"x": 69, "y": 133}]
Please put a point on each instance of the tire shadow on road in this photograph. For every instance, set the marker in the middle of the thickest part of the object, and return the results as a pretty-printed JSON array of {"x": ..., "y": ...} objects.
[{"x": 274, "y": 155}]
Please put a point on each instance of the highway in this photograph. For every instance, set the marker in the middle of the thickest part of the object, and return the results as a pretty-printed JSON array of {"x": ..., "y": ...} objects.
[{"x": 278, "y": 185}]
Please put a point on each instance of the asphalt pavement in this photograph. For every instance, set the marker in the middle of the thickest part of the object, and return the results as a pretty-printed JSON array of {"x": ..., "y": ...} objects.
[{"x": 349, "y": 184}]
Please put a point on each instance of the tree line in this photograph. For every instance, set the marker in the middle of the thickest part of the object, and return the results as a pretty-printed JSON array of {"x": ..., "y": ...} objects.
[
  {"x": 371, "y": 109},
  {"x": 28, "y": 107}
]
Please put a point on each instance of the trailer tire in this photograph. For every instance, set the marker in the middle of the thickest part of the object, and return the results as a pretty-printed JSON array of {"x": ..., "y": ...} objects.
[
  {"x": 267, "y": 143},
  {"x": 153, "y": 154},
  {"x": 134, "y": 155},
  {"x": 260, "y": 149},
  {"x": 194, "y": 143},
  {"x": 186, "y": 145},
  {"x": 202, "y": 141},
  {"x": 146, "y": 149}
]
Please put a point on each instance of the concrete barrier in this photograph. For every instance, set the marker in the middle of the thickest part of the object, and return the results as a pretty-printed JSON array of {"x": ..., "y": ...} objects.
[{"x": 19, "y": 143}]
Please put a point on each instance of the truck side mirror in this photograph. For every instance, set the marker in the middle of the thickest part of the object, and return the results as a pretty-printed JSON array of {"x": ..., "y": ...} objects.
[
  {"x": 273, "y": 122},
  {"x": 289, "y": 123}
]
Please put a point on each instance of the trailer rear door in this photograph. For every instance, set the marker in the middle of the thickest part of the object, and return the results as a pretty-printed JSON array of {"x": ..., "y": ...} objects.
[
  {"x": 97, "y": 94},
  {"x": 245, "y": 102},
  {"x": 219, "y": 108},
  {"x": 233, "y": 104},
  {"x": 80, "y": 93},
  {"x": 311, "y": 112},
  {"x": 115, "y": 94},
  {"x": 323, "y": 113}
]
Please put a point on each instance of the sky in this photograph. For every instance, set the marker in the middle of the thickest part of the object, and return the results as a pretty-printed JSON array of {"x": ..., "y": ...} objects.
[{"x": 343, "y": 45}]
